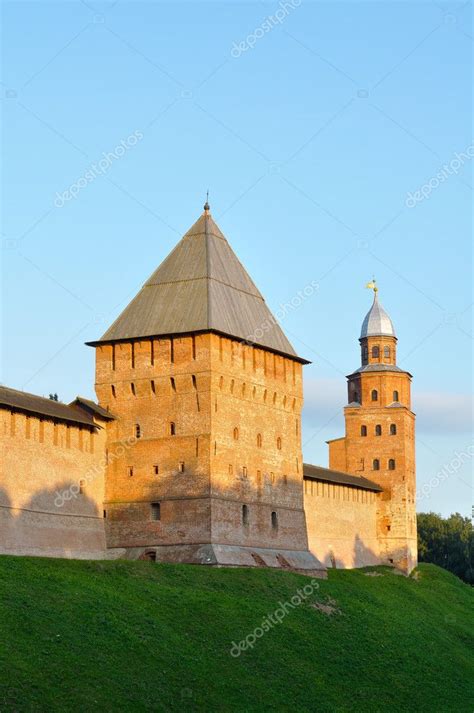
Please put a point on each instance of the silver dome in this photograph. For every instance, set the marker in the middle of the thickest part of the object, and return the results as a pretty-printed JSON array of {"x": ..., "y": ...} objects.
[{"x": 377, "y": 323}]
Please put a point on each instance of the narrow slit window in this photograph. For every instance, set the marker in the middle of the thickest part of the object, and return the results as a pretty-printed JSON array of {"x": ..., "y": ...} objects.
[
  {"x": 173, "y": 383},
  {"x": 112, "y": 388},
  {"x": 156, "y": 511},
  {"x": 132, "y": 389},
  {"x": 132, "y": 354},
  {"x": 172, "y": 428},
  {"x": 274, "y": 521},
  {"x": 138, "y": 431},
  {"x": 363, "y": 430},
  {"x": 279, "y": 443},
  {"x": 236, "y": 434},
  {"x": 181, "y": 466},
  {"x": 396, "y": 396},
  {"x": 259, "y": 440},
  {"x": 153, "y": 387},
  {"x": 245, "y": 515},
  {"x": 156, "y": 470},
  {"x": 130, "y": 471},
  {"x": 193, "y": 347},
  {"x": 82, "y": 486}
]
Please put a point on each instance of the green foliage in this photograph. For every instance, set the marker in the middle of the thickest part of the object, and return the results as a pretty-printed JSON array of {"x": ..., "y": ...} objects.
[
  {"x": 138, "y": 636},
  {"x": 447, "y": 542}
]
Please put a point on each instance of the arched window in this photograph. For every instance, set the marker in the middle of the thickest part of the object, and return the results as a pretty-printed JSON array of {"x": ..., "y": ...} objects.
[
  {"x": 391, "y": 464},
  {"x": 259, "y": 440},
  {"x": 376, "y": 464},
  {"x": 363, "y": 430},
  {"x": 396, "y": 396},
  {"x": 375, "y": 395},
  {"x": 236, "y": 434},
  {"x": 279, "y": 443},
  {"x": 378, "y": 430},
  {"x": 365, "y": 355},
  {"x": 274, "y": 521},
  {"x": 245, "y": 514},
  {"x": 393, "y": 429},
  {"x": 375, "y": 352},
  {"x": 386, "y": 352},
  {"x": 172, "y": 428}
]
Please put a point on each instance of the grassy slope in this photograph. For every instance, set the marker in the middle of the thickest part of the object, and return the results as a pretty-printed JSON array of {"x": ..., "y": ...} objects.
[{"x": 116, "y": 636}]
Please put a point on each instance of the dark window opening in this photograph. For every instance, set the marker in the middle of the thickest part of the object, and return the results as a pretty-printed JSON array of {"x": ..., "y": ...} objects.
[
  {"x": 375, "y": 395},
  {"x": 375, "y": 352},
  {"x": 194, "y": 382},
  {"x": 153, "y": 387},
  {"x": 156, "y": 469},
  {"x": 279, "y": 443},
  {"x": 378, "y": 430},
  {"x": 171, "y": 351},
  {"x": 138, "y": 431},
  {"x": 156, "y": 511},
  {"x": 259, "y": 440},
  {"x": 130, "y": 471},
  {"x": 113, "y": 391},
  {"x": 386, "y": 352},
  {"x": 245, "y": 515},
  {"x": 82, "y": 485},
  {"x": 172, "y": 428},
  {"x": 391, "y": 464},
  {"x": 132, "y": 354},
  {"x": 376, "y": 464},
  {"x": 274, "y": 521},
  {"x": 193, "y": 346},
  {"x": 132, "y": 388},
  {"x": 363, "y": 430},
  {"x": 104, "y": 512},
  {"x": 236, "y": 434},
  {"x": 173, "y": 383},
  {"x": 181, "y": 466},
  {"x": 396, "y": 396},
  {"x": 393, "y": 429}
]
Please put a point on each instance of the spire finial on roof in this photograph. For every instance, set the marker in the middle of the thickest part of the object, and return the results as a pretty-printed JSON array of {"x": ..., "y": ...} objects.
[
  {"x": 373, "y": 286},
  {"x": 207, "y": 207}
]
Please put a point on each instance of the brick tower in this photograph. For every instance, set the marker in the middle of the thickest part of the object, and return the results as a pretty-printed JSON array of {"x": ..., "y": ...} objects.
[
  {"x": 204, "y": 457},
  {"x": 380, "y": 437}
]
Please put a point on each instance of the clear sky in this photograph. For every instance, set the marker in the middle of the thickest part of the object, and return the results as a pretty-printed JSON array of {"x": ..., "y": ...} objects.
[{"x": 335, "y": 140}]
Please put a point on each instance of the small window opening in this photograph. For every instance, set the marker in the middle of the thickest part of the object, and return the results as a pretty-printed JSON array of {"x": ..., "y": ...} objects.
[
  {"x": 386, "y": 352},
  {"x": 396, "y": 396},
  {"x": 393, "y": 429},
  {"x": 181, "y": 466},
  {"x": 171, "y": 351},
  {"x": 236, "y": 434},
  {"x": 391, "y": 464},
  {"x": 82, "y": 486},
  {"x": 156, "y": 469},
  {"x": 156, "y": 511},
  {"x": 130, "y": 471},
  {"x": 376, "y": 464},
  {"x": 378, "y": 430},
  {"x": 153, "y": 387},
  {"x": 279, "y": 443},
  {"x": 138, "y": 431},
  {"x": 274, "y": 521},
  {"x": 113, "y": 391},
  {"x": 363, "y": 430},
  {"x": 244, "y": 471},
  {"x": 132, "y": 388},
  {"x": 193, "y": 346},
  {"x": 259, "y": 440},
  {"x": 173, "y": 383},
  {"x": 375, "y": 395},
  {"x": 172, "y": 428},
  {"x": 375, "y": 352},
  {"x": 132, "y": 354},
  {"x": 245, "y": 515},
  {"x": 194, "y": 382}
]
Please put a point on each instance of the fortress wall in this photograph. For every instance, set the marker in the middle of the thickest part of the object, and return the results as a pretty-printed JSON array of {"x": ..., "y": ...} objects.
[
  {"x": 342, "y": 524},
  {"x": 43, "y": 463}
]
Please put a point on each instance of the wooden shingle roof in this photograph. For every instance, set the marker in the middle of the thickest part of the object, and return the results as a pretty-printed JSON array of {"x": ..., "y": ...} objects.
[
  {"x": 317, "y": 472},
  {"x": 47, "y": 408},
  {"x": 201, "y": 286}
]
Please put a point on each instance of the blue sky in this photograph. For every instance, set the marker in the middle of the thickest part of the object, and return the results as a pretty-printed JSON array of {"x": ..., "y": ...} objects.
[{"x": 311, "y": 136}]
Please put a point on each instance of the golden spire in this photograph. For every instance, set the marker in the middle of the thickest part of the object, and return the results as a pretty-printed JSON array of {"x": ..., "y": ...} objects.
[{"x": 372, "y": 285}]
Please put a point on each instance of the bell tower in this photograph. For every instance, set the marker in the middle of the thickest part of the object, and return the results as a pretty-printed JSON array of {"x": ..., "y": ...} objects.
[{"x": 380, "y": 437}]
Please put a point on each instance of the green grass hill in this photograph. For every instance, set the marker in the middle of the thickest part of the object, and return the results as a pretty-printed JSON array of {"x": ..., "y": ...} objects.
[{"x": 138, "y": 636}]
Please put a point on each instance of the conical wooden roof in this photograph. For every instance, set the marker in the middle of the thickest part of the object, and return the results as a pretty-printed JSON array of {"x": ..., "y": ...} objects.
[{"x": 201, "y": 286}]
